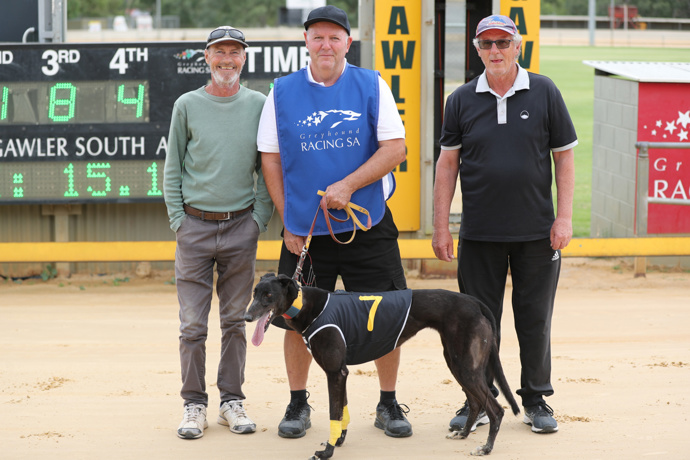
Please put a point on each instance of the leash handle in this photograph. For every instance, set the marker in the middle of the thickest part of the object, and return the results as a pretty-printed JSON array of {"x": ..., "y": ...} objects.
[
  {"x": 328, "y": 216},
  {"x": 351, "y": 215}
]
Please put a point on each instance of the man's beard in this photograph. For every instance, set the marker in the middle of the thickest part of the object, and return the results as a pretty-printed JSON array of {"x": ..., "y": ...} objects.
[{"x": 225, "y": 80}]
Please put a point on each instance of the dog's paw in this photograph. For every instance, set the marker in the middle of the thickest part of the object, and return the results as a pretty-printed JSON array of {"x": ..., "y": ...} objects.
[
  {"x": 481, "y": 451},
  {"x": 456, "y": 435},
  {"x": 326, "y": 453}
]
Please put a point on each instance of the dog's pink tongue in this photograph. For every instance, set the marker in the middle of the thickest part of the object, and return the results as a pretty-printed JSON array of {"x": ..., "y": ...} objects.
[{"x": 258, "y": 336}]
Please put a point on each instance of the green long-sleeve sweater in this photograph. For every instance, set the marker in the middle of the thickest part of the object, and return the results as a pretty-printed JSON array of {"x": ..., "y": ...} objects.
[{"x": 212, "y": 161}]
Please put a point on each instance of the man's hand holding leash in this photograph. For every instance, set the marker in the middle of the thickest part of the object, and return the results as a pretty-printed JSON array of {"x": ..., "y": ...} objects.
[{"x": 337, "y": 195}]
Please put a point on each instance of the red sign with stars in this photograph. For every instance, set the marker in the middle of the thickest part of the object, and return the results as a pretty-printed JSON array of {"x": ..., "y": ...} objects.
[{"x": 664, "y": 116}]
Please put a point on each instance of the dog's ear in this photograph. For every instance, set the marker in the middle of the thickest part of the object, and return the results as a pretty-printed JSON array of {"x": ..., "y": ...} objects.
[
  {"x": 268, "y": 276},
  {"x": 283, "y": 279},
  {"x": 290, "y": 285}
]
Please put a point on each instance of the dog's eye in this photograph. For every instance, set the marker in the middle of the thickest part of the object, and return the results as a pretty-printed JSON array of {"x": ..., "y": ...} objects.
[{"x": 269, "y": 295}]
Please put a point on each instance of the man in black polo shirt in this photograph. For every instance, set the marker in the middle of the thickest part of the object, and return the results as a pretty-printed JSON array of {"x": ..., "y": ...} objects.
[{"x": 500, "y": 132}]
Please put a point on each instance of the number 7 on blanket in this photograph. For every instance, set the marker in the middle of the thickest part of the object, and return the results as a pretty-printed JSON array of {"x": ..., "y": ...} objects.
[{"x": 374, "y": 307}]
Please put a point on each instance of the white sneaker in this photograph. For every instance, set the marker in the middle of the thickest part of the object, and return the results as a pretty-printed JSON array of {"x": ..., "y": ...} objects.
[
  {"x": 233, "y": 415},
  {"x": 193, "y": 422}
]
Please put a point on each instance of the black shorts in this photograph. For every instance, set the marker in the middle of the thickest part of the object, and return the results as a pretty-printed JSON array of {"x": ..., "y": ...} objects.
[{"x": 370, "y": 263}]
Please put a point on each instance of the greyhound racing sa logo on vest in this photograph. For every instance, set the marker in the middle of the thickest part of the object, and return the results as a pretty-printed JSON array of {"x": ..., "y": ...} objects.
[
  {"x": 336, "y": 118},
  {"x": 370, "y": 324},
  {"x": 324, "y": 134}
]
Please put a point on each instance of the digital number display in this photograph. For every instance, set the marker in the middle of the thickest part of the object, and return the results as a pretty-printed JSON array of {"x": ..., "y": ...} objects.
[
  {"x": 88, "y": 122},
  {"x": 74, "y": 102},
  {"x": 76, "y": 181}
]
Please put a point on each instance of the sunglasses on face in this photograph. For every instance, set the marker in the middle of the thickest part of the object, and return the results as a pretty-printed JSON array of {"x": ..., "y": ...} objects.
[
  {"x": 500, "y": 44},
  {"x": 220, "y": 33}
]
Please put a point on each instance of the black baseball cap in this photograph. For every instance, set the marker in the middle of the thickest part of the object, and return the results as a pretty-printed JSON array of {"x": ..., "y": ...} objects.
[{"x": 328, "y": 13}]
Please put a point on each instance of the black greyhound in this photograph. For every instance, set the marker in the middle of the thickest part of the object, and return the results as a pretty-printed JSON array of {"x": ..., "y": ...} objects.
[{"x": 466, "y": 326}]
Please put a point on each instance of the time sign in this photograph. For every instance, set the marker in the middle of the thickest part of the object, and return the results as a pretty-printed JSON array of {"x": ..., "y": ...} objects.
[{"x": 89, "y": 122}]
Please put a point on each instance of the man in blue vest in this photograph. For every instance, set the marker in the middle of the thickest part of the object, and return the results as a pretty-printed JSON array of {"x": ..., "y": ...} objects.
[{"x": 334, "y": 127}]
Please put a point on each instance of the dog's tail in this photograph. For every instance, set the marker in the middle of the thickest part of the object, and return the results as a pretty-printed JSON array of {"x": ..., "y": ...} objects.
[{"x": 500, "y": 378}]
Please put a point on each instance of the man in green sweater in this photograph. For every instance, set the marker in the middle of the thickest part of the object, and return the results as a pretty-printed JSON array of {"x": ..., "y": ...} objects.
[{"x": 218, "y": 204}]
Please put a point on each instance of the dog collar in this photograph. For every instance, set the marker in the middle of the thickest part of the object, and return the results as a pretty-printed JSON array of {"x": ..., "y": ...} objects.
[{"x": 295, "y": 308}]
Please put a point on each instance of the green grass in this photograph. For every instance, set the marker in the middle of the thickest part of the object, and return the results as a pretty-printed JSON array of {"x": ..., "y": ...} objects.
[{"x": 563, "y": 64}]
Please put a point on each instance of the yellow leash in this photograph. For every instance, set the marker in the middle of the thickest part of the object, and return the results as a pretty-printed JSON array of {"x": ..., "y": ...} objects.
[{"x": 350, "y": 209}]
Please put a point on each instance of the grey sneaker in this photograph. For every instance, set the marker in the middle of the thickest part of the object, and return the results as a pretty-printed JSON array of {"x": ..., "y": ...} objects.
[
  {"x": 391, "y": 419},
  {"x": 541, "y": 418},
  {"x": 297, "y": 420},
  {"x": 193, "y": 422},
  {"x": 458, "y": 422},
  {"x": 233, "y": 415}
]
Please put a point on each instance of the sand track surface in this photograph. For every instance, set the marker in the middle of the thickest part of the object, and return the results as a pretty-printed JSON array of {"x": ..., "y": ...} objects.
[{"x": 90, "y": 369}]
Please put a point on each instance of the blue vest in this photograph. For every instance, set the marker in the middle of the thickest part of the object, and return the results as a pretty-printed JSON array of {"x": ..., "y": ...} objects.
[
  {"x": 369, "y": 323},
  {"x": 324, "y": 134}
]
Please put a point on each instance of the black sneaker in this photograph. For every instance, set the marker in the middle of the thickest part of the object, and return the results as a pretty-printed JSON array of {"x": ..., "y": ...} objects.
[
  {"x": 541, "y": 418},
  {"x": 457, "y": 423},
  {"x": 296, "y": 420},
  {"x": 391, "y": 419}
]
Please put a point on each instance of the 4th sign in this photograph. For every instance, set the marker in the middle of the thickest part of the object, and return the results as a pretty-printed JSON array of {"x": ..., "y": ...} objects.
[{"x": 123, "y": 56}]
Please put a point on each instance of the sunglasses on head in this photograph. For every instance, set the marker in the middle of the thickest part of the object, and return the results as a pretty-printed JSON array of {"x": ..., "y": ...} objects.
[
  {"x": 500, "y": 44},
  {"x": 224, "y": 32}
]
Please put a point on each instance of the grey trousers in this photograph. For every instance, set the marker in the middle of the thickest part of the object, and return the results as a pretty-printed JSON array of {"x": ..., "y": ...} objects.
[{"x": 231, "y": 246}]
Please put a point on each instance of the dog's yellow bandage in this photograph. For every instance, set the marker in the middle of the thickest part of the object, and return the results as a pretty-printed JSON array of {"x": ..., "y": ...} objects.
[
  {"x": 346, "y": 418},
  {"x": 336, "y": 431}
]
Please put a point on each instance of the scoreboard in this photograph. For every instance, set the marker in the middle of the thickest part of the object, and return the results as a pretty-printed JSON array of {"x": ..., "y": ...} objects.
[{"x": 82, "y": 123}]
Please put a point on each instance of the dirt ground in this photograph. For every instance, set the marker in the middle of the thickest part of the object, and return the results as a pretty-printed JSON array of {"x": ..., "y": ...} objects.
[{"x": 89, "y": 369}]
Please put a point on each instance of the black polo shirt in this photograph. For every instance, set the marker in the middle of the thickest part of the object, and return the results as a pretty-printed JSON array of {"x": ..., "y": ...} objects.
[{"x": 505, "y": 155}]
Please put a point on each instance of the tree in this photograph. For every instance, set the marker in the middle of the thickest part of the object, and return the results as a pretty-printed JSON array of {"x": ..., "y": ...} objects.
[
  {"x": 105, "y": 8},
  {"x": 646, "y": 8},
  {"x": 263, "y": 13},
  {"x": 201, "y": 13}
]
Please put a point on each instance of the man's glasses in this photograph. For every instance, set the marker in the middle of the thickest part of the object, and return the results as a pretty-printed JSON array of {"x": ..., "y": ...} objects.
[
  {"x": 225, "y": 32},
  {"x": 500, "y": 44}
]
